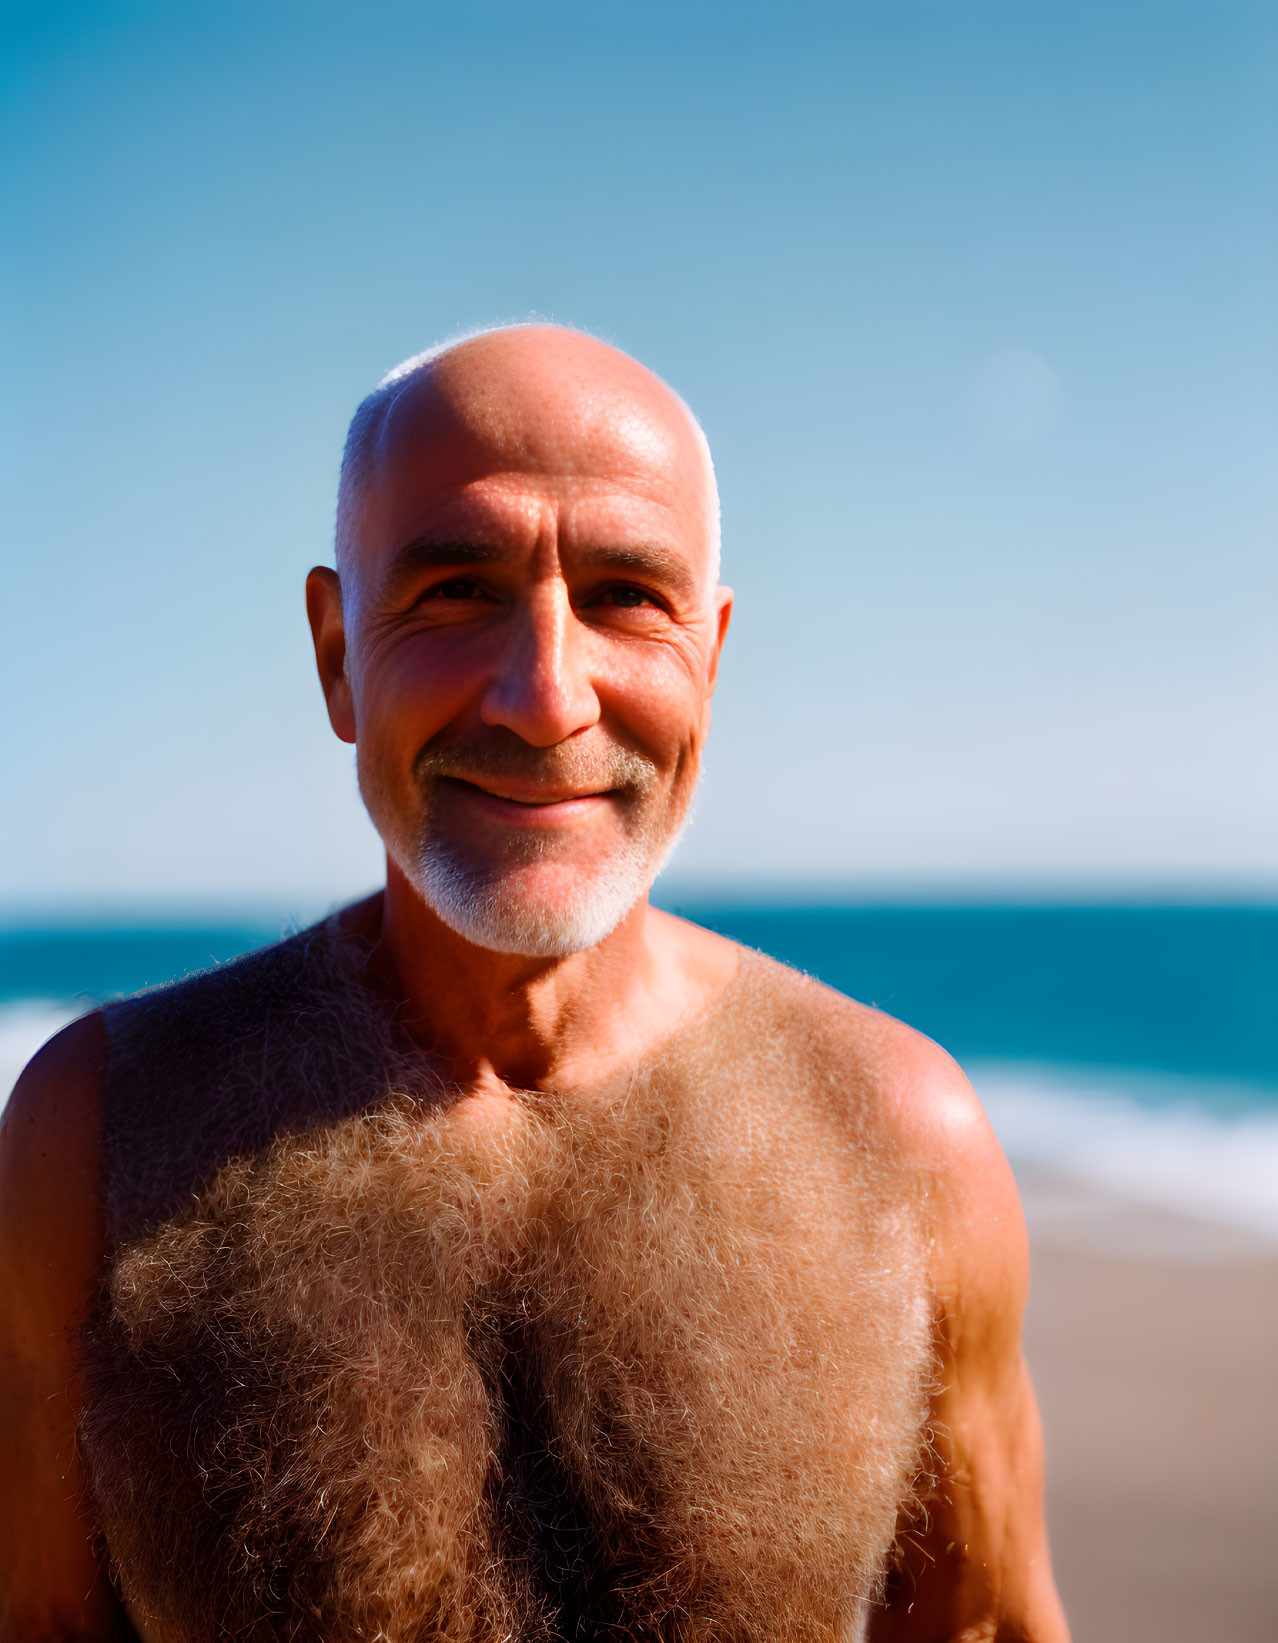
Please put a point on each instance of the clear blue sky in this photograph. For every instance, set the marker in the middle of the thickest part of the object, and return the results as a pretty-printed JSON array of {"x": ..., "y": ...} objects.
[{"x": 978, "y": 304}]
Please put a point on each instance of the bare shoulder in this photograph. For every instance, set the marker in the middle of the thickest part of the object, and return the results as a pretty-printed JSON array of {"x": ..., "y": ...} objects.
[
  {"x": 51, "y": 1245},
  {"x": 50, "y": 1150},
  {"x": 51, "y": 1235},
  {"x": 928, "y": 1113},
  {"x": 923, "y": 1095}
]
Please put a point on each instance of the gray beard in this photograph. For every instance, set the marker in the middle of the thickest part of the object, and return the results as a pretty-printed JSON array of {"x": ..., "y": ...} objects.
[
  {"x": 476, "y": 899},
  {"x": 474, "y": 902}
]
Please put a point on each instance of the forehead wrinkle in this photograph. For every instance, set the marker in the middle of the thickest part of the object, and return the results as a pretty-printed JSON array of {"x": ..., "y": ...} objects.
[{"x": 508, "y": 506}]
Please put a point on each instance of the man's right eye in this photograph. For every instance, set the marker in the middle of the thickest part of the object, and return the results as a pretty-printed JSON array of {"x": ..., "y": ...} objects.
[{"x": 453, "y": 599}]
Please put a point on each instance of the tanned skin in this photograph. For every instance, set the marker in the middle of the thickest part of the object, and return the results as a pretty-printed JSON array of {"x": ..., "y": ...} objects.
[{"x": 588, "y": 613}]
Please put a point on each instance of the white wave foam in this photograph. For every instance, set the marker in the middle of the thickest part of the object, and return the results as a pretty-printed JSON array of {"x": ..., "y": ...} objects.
[
  {"x": 1180, "y": 1155},
  {"x": 24, "y": 1027}
]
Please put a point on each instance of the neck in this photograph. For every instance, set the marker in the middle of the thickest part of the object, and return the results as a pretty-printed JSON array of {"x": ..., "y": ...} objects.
[{"x": 502, "y": 1020}]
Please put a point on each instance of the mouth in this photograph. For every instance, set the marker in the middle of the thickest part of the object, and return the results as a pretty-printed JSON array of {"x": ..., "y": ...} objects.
[{"x": 530, "y": 804}]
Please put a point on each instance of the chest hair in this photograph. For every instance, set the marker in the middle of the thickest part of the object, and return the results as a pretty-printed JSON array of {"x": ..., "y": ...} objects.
[{"x": 648, "y": 1365}]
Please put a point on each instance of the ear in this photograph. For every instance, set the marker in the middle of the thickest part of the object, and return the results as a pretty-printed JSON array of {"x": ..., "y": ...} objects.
[
  {"x": 723, "y": 615},
  {"x": 328, "y": 630}
]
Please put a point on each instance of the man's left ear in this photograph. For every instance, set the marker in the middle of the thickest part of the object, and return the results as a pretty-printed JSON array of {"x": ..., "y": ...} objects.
[{"x": 723, "y": 615}]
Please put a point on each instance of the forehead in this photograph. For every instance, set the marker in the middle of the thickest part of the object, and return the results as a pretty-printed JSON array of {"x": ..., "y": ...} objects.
[{"x": 499, "y": 437}]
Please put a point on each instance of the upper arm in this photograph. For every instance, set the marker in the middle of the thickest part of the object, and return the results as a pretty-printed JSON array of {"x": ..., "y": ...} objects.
[
  {"x": 50, "y": 1253},
  {"x": 976, "y": 1566}
]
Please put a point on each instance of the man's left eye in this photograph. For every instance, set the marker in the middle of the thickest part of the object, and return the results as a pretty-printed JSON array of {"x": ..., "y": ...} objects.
[{"x": 628, "y": 598}]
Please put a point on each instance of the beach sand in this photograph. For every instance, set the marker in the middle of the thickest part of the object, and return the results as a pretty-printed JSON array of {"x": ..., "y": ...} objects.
[{"x": 1153, "y": 1342}]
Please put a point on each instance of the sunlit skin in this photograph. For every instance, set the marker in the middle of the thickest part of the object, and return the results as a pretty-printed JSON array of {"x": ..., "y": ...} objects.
[{"x": 532, "y": 559}]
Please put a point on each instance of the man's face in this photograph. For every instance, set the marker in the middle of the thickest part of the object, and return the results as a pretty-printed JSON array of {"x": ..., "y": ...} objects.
[{"x": 532, "y": 634}]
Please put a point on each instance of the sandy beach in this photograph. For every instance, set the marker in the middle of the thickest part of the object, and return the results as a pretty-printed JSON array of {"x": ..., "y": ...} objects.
[{"x": 1153, "y": 1341}]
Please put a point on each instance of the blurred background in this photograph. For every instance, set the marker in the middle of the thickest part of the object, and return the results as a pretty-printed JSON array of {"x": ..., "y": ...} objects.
[{"x": 977, "y": 303}]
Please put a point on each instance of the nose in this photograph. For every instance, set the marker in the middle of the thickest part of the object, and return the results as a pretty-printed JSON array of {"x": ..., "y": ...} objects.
[{"x": 542, "y": 688}]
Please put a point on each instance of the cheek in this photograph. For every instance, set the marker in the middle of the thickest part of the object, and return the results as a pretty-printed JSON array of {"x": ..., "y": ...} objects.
[
  {"x": 405, "y": 694},
  {"x": 656, "y": 699}
]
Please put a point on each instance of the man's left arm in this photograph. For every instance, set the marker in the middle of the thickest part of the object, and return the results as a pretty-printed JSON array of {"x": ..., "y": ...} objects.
[{"x": 974, "y": 1567}]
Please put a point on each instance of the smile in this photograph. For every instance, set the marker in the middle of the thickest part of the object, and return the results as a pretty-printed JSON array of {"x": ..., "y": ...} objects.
[{"x": 529, "y": 806}]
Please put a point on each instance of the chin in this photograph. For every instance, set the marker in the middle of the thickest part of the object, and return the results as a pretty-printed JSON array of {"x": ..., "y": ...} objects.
[{"x": 537, "y": 911}]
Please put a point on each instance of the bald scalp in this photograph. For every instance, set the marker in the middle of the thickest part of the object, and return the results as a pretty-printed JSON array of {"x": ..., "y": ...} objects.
[{"x": 512, "y": 391}]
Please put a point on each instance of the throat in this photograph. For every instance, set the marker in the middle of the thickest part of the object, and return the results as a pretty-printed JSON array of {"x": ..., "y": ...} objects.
[{"x": 498, "y": 1021}]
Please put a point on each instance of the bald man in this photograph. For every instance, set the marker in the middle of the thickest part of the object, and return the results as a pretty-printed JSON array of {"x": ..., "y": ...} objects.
[{"x": 504, "y": 1258}]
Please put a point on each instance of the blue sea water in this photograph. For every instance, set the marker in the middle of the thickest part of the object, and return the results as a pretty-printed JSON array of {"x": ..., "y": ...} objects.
[
  {"x": 1136, "y": 1046},
  {"x": 87, "y": 964}
]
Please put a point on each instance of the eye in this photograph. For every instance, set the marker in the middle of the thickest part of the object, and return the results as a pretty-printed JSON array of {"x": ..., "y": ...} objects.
[
  {"x": 624, "y": 596},
  {"x": 452, "y": 599},
  {"x": 455, "y": 590}
]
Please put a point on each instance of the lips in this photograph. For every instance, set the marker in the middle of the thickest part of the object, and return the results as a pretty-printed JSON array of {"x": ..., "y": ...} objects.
[
  {"x": 518, "y": 807},
  {"x": 530, "y": 797}
]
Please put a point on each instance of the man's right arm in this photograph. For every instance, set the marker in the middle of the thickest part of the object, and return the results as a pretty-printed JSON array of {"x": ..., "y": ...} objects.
[{"x": 52, "y": 1586}]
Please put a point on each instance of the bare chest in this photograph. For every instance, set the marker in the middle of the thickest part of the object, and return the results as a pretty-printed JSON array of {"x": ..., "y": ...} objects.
[{"x": 549, "y": 1376}]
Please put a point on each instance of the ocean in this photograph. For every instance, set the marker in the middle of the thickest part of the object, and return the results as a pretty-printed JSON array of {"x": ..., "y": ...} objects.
[{"x": 1132, "y": 1050}]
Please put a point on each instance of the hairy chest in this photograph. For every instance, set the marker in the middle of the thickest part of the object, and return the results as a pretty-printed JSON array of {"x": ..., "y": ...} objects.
[{"x": 644, "y": 1372}]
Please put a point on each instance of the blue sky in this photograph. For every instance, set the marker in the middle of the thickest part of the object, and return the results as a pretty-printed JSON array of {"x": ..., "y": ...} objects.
[{"x": 977, "y": 303}]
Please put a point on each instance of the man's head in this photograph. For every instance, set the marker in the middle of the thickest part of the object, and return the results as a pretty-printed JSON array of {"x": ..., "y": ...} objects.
[{"x": 524, "y": 628}]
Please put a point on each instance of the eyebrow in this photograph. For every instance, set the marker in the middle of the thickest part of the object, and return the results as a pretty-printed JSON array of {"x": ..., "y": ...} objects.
[
  {"x": 648, "y": 560},
  {"x": 429, "y": 553},
  {"x": 655, "y": 563}
]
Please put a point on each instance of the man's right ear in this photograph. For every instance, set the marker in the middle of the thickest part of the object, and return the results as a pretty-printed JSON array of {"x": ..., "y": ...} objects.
[{"x": 324, "y": 608}]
